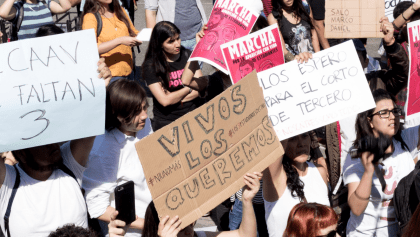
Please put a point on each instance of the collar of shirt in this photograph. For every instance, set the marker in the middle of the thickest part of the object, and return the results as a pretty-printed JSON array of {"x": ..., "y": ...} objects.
[{"x": 120, "y": 136}]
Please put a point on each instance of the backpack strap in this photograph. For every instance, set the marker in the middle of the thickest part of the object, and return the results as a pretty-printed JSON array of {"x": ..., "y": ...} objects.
[
  {"x": 9, "y": 205},
  {"x": 17, "y": 22},
  {"x": 99, "y": 23}
]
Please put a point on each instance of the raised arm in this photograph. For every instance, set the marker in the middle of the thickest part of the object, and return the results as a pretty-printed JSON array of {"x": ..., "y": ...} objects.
[
  {"x": 61, "y": 7},
  {"x": 401, "y": 19},
  {"x": 80, "y": 148},
  {"x": 396, "y": 78},
  {"x": 7, "y": 11},
  {"x": 359, "y": 192},
  {"x": 269, "y": 175}
]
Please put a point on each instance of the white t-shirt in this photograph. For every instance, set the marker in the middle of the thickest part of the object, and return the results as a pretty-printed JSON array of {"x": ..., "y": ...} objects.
[
  {"x": 277, "y": 213},
  {"x": 112, "y": 162},
  {"x": 41, "y": 207},
  {"x": 379, "y": 215}
]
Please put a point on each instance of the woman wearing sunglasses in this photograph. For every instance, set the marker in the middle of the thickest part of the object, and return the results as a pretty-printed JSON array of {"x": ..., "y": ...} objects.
[
  {"x": 372, "y": 211},
  {"x": 311, "y": 220}
]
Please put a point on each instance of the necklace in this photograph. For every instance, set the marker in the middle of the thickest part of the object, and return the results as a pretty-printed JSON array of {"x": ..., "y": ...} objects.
[{"x": 115, "y": 22}]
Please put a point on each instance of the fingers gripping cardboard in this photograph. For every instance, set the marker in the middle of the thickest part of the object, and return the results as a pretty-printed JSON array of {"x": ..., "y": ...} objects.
[{"x": 198, "y": 161}]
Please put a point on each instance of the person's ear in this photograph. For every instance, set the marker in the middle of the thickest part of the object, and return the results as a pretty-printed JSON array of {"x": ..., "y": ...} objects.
[{"x": 370, "y": 122}]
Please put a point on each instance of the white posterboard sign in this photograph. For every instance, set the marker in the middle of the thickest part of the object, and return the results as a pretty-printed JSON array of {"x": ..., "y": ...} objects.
[
  {"x": 329, "y": 87},
  {"x": 50, "y": 91}
]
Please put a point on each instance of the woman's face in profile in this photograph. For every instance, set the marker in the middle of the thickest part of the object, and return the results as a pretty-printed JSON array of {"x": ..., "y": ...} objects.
[
  {"x": 298, "y": 147},
  {"x": 172, "y": 45}
]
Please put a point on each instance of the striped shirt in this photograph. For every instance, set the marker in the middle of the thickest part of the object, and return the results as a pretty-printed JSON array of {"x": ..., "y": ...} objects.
[
  {"x": 258, "y": 199},
  {"x": 34, "y": 16}
]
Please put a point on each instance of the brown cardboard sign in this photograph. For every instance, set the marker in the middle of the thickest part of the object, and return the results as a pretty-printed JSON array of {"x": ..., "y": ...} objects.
[
  {"x": 353, "y": 18},
  {"x": 196, "y": 162}
]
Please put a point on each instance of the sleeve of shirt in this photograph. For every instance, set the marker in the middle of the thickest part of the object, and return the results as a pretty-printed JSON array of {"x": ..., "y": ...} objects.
[
  {"x": 6, "y": 191},
  {"x": 89, "y": 22},
  {"x": 411, "y": 138},
  {"x": 353, "y": 170},
  {"x": 99, "y": 179},
  {"x": 151, "y": 5},
  {"x": 71, "y": 163},
  {"x": 149, "y": 75}
]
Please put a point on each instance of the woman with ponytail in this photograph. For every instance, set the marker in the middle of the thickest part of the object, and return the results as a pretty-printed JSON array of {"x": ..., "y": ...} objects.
[
  {"x": 117, "y": 36},
  {"x": 290, "y": 180}
]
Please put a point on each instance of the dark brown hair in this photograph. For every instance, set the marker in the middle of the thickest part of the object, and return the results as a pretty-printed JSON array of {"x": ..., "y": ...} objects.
[
  {"x": 93, "y": 6},
  {"x": 124, "y": 98}
]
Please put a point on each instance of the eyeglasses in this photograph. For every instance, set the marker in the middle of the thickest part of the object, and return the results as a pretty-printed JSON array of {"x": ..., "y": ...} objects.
[
  {"x": 331, "y": 234},
  {"x": 386, "y": 112}
]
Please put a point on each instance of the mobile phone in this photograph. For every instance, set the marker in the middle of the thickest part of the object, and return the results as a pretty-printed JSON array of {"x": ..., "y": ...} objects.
[{"x": 124, "y": 202}]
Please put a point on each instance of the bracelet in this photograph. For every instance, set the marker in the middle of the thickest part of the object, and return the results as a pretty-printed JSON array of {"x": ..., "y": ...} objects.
[
  {"x": 413, "y": 7},
  {"x": 357, "y": 195},
  {"x": 402, "y": 14},
  {"x": 395, "y": 27}
]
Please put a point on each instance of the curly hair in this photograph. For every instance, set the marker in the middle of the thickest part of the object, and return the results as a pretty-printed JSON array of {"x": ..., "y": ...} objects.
[
  {"x": 70, "y": 230},
  {"x": 294, "y": 184}
]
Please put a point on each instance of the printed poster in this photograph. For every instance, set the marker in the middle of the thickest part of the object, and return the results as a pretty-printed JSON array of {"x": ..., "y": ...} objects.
[
  {"x": 229, "y": 20},
  {"x": 260, "y": 50},
  {"x": 413, "y": 94}
]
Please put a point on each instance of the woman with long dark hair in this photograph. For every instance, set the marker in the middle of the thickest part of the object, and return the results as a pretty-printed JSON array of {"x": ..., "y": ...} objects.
[
  {"x": 117, "y": 36},
  {"x": 290, "y": 180},
  {"x": 372, "y": 211},
  {"x": 311, "y": 220},
  {"x": 296, "y": 27},
  {"x": 163, "y": 67}
]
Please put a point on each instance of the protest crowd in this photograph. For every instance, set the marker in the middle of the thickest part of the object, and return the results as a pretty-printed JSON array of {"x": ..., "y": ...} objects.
[{"x": 355, "y": 176}]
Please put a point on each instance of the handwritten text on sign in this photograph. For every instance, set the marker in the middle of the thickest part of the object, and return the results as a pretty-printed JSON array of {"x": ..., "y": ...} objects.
[
  {"x": 199, "y": 160},
  {"x": 302, "y": 97},
  {"x": 49, "y": 90},
  {"x": 353, "y": 18}
]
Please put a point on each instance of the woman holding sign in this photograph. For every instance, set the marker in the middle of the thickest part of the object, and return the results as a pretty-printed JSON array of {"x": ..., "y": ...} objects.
[
  {"x": 372, "y": 209},
  {"x": 163, "y": 67},
  {"x": 290, "y": 180},
  {"x": 296, "y": 28},
  {"x": 117, "y": 36}
]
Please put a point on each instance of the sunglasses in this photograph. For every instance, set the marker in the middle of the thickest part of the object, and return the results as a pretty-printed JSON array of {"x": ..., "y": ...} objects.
[{"x": 332, "y": 233}]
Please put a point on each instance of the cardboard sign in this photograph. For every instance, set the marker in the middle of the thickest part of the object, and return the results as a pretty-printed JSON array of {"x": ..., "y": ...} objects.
[
  {"x": 353, "y": 18},
  {"x": 196, "y": 162},
  {"x": 390, "y": 6},
  {"x": 329, "y": 87},
  {"x": 260, "y": 50},
  {"x": 229, "y": 20},
  {"x": 413, "y": 94},
  {"x": 50, "y": 91}
]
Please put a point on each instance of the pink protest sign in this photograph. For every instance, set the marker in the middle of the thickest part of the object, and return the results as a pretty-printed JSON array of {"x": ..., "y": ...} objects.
[
  {"x": 229, "y": 20},
  {"x": 413, "y": 95},
  {"x": 260, "y": 50}
]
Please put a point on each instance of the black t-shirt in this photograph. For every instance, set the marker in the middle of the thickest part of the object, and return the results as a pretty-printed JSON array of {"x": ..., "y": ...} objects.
[
  {"x": 318, "y": 9},
  {"x": 297, "y": 37},
  {"x": 170, "y": 113}
]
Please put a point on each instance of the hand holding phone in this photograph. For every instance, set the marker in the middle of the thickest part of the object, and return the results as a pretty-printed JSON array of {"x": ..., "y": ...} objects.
[{"x": 125, "y": 203}]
